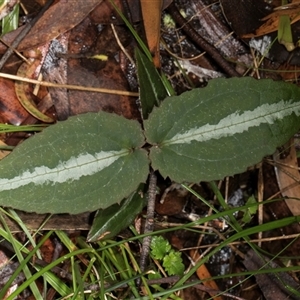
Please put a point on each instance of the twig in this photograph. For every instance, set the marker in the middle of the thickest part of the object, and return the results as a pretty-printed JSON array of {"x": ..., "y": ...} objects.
[
  {"x": 121, "y": 45},
  {"x": 68, "y": 86},
  {"x": 211, "y": 50},
  {"x": 149, "y": 225},
  {"x": 22, "y": 34}
]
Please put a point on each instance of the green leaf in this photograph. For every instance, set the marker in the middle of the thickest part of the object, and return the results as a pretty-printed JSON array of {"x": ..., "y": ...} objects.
[
  {"x": 159, "y": 247},
  {"x": 173, "y": 263},
  {"x": 207, "y": 134},
  {"x": 110, "y": 221},
  {"x": 88, "y": 162},
  {"x": 249, "y": 212},
  {"x": 285, "y": 36},
  {"x": 132, "y": 30},
  {"x": 152, "y": 89},
  {"x": 162, "y": 250},
  {"x": 11, "y": 21}
]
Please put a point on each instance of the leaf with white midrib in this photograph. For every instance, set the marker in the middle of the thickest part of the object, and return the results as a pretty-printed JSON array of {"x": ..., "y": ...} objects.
[
  {"x": 207, "y": 134},
  {"x": 95, "y": 160},
  {"x": 78, "y": 165},
  {"x": 237, "y": 123},
  {"x": 73, "y": 169}
]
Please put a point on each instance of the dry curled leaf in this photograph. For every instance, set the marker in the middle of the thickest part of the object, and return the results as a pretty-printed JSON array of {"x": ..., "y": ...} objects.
[
  {"x": 12, "y": 111},
  {"x": 274, "y": 286},
  {"x": 58, "y": 19},
  {"x": 151, "y": 11},
  {"x": 288, "y": 177},
  {"x": 204, "y": 275}
]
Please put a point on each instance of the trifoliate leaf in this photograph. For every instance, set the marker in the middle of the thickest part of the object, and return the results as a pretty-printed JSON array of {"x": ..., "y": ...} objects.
[{"x": 207, "y": 134}]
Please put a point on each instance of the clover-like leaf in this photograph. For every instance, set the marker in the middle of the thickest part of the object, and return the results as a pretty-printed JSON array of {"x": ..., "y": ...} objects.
[
  {"x": 88, "y": 162},
  {"x": 207, "y": 134},
  {"x": 173, "y": 263},
  {"x": 159, "y": 247}
]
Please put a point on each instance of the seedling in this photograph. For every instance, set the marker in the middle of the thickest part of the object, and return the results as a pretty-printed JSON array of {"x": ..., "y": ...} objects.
[{"x": 95, "y": 160}]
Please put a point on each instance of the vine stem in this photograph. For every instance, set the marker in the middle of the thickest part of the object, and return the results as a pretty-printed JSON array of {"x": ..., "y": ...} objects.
[{"x": 149, "y": 224}]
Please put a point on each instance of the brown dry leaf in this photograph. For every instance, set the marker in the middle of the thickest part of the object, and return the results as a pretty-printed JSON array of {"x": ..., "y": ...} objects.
[
  {"x": 58, "y": 19},
  {"x": 151, "y": 11},
  {"x": 272, "y": 20},
  {"x": 289, "y": 72},
  {"x": 288, "y": 176},
  {"x": 244, "y": 16},
  {"x": 12, "y": 111},
  {"x": 283, "y": 10},
  {"x": 3, "y": 153},
  {"x": 204, "y": 274},
  {"x": 274, "y": 286},
  {"x": 171, "y": 204},
  {"x": 56, "y": 222},
  {"x": 271, "y": 25},
  {"x": 97, "y": 73},
  {"x": 47, "y": 250},
  {"x": 41, "y": 2},
  {"x": 105, "y": 13},
  {"x": 111, "y": 78}
]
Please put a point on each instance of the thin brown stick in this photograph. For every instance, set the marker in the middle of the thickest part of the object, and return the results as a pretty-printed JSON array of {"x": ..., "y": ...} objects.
[
  {"x": 196, "y": 38},
  {"x": 70, "y": 87},
  {"x": 149, "y": 225}
]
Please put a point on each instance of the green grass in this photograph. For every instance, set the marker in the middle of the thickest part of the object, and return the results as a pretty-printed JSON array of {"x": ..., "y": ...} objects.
[{"x": 109, "y": 269}]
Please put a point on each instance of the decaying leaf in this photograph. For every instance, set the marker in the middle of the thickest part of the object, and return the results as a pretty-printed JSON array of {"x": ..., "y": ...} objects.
[
  {"x": 288, "y": 177},
  {"x": 24, "y": 95},
  {"x": 151, "y": 11},
  {"x": 247, "y": 20},
  {"x": 204, "y": 275},
  {"x": 12, "y": 111},
  {"x": 104, "y": 13},
  {"x": 274, "y": 286},
  {"x": 58, "y": 19}
]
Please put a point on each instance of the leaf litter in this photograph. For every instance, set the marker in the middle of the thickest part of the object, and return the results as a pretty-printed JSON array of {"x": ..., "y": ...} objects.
[{"x": 48, "y": 28}]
